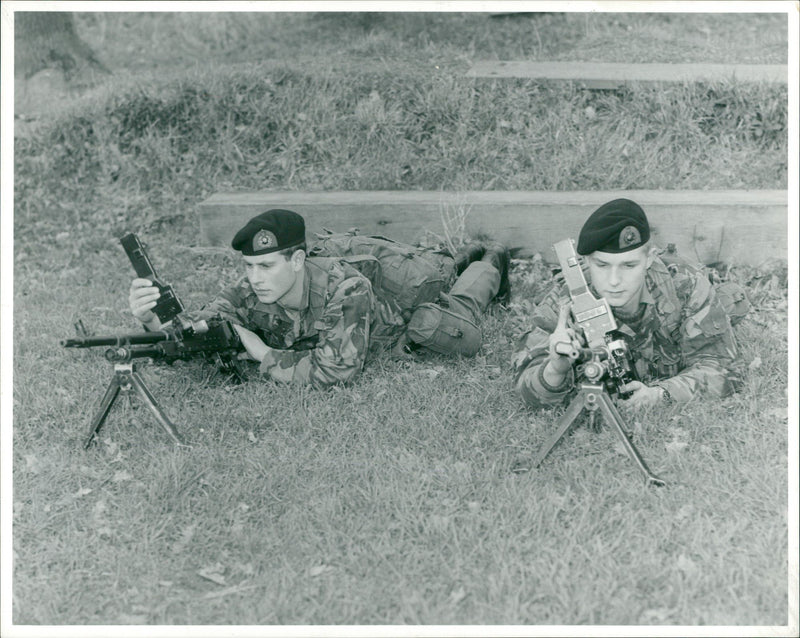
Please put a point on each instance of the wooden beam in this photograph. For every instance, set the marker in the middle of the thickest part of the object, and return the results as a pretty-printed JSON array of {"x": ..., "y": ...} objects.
[
  {"x": 733, "y": 226},
  {"x": 600, "y": 75}
]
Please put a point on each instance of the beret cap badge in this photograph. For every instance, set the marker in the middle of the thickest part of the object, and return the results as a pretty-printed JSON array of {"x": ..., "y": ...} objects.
[
  {"x": 629, "y": 236},
  {"x": 264, "y": 239}
]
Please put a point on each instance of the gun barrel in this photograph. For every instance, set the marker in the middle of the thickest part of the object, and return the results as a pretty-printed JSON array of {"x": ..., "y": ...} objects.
[{"x": 116, "y": 340}]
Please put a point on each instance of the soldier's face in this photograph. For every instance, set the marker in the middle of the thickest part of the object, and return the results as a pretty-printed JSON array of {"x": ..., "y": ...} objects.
[
  {"x": 273, "y": 276},
  {"x": 619, "y": 277}
]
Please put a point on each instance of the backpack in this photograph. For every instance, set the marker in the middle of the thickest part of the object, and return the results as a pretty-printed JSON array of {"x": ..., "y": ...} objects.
[
  {"x": 408, "y": 275},
  {"x": 732, "y": 296}
]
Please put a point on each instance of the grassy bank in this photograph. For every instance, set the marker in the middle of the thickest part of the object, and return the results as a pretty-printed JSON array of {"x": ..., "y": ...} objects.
[{"x": 390, "y": 501}]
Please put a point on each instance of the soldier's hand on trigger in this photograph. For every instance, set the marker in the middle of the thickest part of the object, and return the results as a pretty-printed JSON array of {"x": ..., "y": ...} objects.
[
  {"x": 255, "y": 349},
  {"x": 643, "y": 395},
  {"x": 142, "y": 299},
  {"x": 563, "y": 341}
]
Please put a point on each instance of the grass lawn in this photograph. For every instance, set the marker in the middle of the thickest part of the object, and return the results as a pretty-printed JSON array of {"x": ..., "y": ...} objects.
[{"x": 390, "y": 501}]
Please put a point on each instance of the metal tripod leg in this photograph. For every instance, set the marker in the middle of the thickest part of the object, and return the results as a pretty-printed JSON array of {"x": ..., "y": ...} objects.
[
  {"x": 151, "y": 403},
  {"x": 105, "y": 406},
  {"x": 574, "y": 409},
  {"x": 593, "y": 397},
  {"x": 613, "y": 416},
  {"x": 124, "y": 380}
]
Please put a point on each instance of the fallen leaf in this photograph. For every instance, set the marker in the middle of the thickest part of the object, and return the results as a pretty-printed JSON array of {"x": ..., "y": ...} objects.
[
  {"x": 438, "y": 522},
  {"x": 755, "y": 364},
  {"x": 430, "y": 372},
  {"x": 82, "y": 492},
  {"x": 186, "y": 537},
  {"x": 619, "y": 448},
  {"x": 679, "y": 433},
  {"x": 32, "y": 464},
  {"x": 684, "y": 512},
  {"x": 252, "y": 437},
  {"x": 129, "y": 619},
  {"x": 674, "y": 447},
  {"x": 457, "y": 595},
  {"x": 686, "y": 565},
  {"x": 319, "y": 570},
  {"x": 230, "y": 590},
  {"x": 779, "y": 413},
  {"x": 122, "y": 475},
  {"x": 213, "y": 573},
  {"x": 658, "y": 616}
]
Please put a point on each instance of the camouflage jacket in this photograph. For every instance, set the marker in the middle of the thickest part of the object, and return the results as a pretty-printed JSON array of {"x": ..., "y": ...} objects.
[
  {"x": 682, "y": 338},
  {"x": 327, "y": 340}
]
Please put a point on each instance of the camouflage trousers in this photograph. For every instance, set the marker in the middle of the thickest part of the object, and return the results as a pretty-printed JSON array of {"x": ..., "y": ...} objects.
[{"x": 450, "y": 326}]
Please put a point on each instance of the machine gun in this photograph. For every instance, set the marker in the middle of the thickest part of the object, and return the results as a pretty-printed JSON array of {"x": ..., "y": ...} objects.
[
  {"x": 605, "y": 364},
  {"x": 213, "y": 340}
]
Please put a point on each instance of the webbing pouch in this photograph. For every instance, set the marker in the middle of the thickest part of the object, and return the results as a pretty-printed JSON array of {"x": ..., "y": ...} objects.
[
  {"x": 734, "y": 300},
  {"x": 443, "y": 331}
]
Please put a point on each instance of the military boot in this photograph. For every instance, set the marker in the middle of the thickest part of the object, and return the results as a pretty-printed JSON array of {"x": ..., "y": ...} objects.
[
  {"x": 499, "y": 256},
  {"x": 467, "y": 254}
]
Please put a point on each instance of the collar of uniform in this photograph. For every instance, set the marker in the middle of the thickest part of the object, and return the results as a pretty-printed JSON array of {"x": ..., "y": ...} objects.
[
  {"x": 306, "y": 287},
  {"x": 316, "y": 286},
  {"x": 657, "y": 266},
  {"x": 647, "y": 296}
]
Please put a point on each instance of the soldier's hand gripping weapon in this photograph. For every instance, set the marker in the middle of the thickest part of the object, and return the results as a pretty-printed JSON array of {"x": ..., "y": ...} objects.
[
  {"x": 214, "y": 340},
  {"x": 168, "y": 306},
  {"x": 605, "y": 364}
]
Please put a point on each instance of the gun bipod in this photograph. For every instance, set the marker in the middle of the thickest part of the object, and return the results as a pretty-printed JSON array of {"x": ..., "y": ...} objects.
[
  {"x": 593, "y": 397},
  {"x": 126, "y": 380}
]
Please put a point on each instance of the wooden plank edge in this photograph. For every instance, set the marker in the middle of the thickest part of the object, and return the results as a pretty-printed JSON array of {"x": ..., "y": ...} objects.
[
  {"x": 750, "y": 235},
  {"x": 768, "y": 197},
  {"x": 610, "y": 75}
]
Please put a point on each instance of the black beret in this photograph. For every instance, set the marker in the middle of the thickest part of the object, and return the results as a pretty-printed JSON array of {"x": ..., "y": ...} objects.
[
  {"x": 268, "y": 232},
  {"x": 615, "y": 227}
]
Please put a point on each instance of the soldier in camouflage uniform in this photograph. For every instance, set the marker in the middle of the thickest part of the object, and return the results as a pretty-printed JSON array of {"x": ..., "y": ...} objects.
[
  {"x": 678, "y": 325},
  {"x": 305, "y": 320}
]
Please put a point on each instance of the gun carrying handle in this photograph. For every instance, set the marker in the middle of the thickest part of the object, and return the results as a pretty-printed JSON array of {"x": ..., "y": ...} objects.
[{"x": 567, "y": 349}]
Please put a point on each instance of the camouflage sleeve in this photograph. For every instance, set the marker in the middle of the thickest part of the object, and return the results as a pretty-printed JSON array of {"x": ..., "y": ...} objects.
[
  {"x": 708, "y": 346},
  {"x": 530, "y": 359},
  {"x": 343, "y": 341},
  {"x": 227, "y": 305}
]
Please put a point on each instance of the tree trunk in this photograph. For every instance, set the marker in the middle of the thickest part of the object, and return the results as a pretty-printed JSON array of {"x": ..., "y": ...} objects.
[{"x": 47, "y": 40}]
